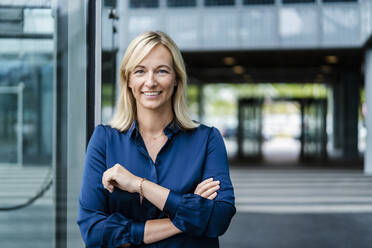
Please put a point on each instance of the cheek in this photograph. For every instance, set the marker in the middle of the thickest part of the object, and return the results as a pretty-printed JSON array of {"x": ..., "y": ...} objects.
[{"x": 132, "y": 85}]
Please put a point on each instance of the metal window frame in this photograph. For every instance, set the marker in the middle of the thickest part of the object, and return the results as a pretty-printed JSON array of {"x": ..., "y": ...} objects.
[
  {"x": 77, "y": 103},
  {"x": 18, "y": 91}
]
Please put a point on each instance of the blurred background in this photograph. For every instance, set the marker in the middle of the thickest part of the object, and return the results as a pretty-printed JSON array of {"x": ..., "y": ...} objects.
[{"x": 285, "y": 81}]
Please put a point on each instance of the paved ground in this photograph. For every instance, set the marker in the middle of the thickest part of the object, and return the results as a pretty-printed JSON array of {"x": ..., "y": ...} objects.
[
  {"x": 276, "y": 208},
  {"x": 258, "y": 230},
  {"x": 301, "y": 208}
]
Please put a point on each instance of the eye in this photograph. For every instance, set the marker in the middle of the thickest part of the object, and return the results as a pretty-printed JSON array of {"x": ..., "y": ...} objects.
[
  {"x": 139, "y": 71},
  {"x": 162, "y": 71}
]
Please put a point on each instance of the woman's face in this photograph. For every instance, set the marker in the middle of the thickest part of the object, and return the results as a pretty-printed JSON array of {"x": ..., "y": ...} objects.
[{"x": 152, "y": 81}]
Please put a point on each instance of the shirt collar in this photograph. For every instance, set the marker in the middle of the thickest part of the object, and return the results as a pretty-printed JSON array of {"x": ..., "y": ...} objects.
[
  {"x": 133, "y": 130},
  {"x": 171, "y": 129}
]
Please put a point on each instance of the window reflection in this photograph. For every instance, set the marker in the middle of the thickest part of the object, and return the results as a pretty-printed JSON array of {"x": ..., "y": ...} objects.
[
  {"x": 144, "y": 3},
  {"x": 26, "y": 125}
]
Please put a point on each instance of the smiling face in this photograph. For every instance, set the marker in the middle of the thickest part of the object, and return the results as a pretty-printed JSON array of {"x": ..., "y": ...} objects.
[{"x": 152, "y": 81}]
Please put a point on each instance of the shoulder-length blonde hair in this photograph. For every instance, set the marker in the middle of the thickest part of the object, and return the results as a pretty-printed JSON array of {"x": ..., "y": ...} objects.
[{"x": 137, "y": 50}]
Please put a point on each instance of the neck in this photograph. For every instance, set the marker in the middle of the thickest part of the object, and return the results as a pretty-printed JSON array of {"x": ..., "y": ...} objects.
[{"x": 153, "y": 122}]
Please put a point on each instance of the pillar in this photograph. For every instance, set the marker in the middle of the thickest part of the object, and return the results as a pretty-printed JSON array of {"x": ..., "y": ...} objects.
[
  {"x": 200, "y": 102},
  {"x": 368, "y": 91},
  {"x": 351, "y": 99},
  {"x": 337, "y": 112},
  {"x": 346, "y": 99}
]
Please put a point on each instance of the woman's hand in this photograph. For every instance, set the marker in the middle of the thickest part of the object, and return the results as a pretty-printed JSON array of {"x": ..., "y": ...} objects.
[
  {"x": 208, "y": 188},
  {"x": 118, "y": 176}
]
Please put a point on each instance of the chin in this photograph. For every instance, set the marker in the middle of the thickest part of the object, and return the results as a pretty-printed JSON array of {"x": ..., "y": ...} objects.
[{"x": 154, "y": 106}]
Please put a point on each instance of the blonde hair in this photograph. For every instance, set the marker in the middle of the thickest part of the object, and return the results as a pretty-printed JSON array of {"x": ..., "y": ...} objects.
[{"x": 137, "y": 50}]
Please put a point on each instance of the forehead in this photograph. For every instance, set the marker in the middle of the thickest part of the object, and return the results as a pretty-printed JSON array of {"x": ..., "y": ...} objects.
[{"x": 158, "y": 55}]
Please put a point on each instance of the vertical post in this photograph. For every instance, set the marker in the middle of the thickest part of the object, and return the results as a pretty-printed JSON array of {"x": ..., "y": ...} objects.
[
  {"x": 324, "y": 129},
  {"x": 302, "y": 104},
  {"x": 60, "y": 123},
  {"x": 200, "y": 102},
  {"x": 260, "y": 123},
  {"x": 98, "y": 62},
  {"x": 20, "y": 124},
  {"x": 351, "y": 98},
  {"x": 338, "y": 115},
  {"x": 69, "y": 139},
  {"x": 94, "y": 66},
  {"x": 368, "y": 90},
  {"x": 240, "y": 138}
]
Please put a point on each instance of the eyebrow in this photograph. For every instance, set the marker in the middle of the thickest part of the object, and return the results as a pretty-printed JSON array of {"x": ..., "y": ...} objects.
[{"x": 141, "y": 66}]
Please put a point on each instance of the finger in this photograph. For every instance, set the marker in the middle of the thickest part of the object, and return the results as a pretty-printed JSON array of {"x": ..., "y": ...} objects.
[
  {"x": 200, "y": 185},
  {"x": 206, "y": 181},
  {"x": 212, "y": 196},
  {"x": 203, "y": 183},
  {"x": 107, "y": 181},
  {"x": 207, "y": 186},
  {"x": 210, "y": 191},
  {"x": 111, "y": 186},
  {"x": 104, "y": 180}
]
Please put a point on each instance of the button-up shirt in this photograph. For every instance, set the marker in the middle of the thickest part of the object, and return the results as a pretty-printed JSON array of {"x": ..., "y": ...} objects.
[{"x": 186, "y": 159}]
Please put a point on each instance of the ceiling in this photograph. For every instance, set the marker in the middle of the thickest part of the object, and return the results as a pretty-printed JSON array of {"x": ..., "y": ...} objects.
[{"x": 290, "y": 66}]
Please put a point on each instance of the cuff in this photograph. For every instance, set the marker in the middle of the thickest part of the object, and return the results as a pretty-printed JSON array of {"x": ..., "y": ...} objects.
[
  {"x": 172, "y": 203},
  {"x": 137, "y": 230}
]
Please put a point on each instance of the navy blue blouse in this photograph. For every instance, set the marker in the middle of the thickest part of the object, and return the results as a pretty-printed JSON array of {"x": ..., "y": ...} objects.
[{"x": 186, "y": 159}]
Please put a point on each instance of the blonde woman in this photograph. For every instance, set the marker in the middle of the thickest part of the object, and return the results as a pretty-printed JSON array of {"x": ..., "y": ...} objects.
[{"x": 153, "y": 177}]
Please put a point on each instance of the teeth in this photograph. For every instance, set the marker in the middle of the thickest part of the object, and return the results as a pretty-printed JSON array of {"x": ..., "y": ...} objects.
[{"x": 152, "y": 93}]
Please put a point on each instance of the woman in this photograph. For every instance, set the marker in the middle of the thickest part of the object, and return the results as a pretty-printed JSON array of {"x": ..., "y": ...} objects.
[{"x": 153, "y": 177}]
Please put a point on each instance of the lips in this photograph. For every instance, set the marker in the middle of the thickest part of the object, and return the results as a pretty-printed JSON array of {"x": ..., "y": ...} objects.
[{"x": 152, "y": 93}]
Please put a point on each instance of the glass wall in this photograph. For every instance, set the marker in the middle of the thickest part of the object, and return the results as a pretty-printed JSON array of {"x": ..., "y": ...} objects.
[
  {"x": 110, "y": 19},
  {"x": 26, "y": 125}
]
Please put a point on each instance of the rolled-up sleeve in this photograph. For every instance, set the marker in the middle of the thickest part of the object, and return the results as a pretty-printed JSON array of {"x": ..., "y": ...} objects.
[
  {"x": 99, "y": 228},
  {"x": 199, "y": 216}
]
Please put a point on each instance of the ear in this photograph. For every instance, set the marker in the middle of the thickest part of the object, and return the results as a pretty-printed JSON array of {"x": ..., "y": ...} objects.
[{"x": 129, "y": 84}]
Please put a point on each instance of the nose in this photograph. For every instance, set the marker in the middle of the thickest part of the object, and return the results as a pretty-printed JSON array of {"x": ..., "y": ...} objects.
[{"x": 150, "y": 80}]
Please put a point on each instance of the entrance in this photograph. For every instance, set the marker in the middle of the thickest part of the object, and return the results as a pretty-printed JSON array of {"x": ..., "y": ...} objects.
[{"x": 313, "y": 123}]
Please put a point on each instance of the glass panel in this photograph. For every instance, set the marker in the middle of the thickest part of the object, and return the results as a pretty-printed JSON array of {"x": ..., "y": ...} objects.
[
  {"x": 221, "y": 31},
  {"x": 26, "y": 125},
  {"x": 298, "y": 1},
  {"x": 366, "y": 19},
  {"x": 341, "y": 24},
  {"x": 339, "y": 1},
  {"x": 296, "y": 27},
  {"x": 219, "y": 2},
  {"x": 249, "y": 2},
  {"x": 181, "y": 3},
  {"x": 182, "y": 26},
  {"x": 144, "y": 3},
  {"x": 140, "y": 23},
  {"x": 109, "y": 27},
  {"x": 109, "y": 3},
  {"x": 259, "y": 27}
]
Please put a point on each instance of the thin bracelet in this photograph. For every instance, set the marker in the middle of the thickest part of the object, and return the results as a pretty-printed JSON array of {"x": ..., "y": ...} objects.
[{"x": 140, "y": 189}]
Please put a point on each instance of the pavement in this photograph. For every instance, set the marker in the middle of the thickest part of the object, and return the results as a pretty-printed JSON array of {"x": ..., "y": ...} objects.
[
  {"x": 292, "y": 207},
  {"x": 307, "y": 208}
]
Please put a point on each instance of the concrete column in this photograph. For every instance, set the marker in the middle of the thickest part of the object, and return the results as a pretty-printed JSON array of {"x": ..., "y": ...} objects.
[
  {"x": 346, "y": 100},
  {"x": 352, "y": 82},
  {"x": 201, "y": 102},
  {"x": 337, "y": 112},
  {"x": 368, "y": 90}
]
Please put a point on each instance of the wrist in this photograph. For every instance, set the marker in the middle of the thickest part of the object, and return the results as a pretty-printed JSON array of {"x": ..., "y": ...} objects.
[
  {"x": 137, "y": 185},
  {"x": 140, "y": 188}
]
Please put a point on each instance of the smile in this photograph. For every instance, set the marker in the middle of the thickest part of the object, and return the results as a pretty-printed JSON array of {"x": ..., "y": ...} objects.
[{"x": 152, "y": 93}]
